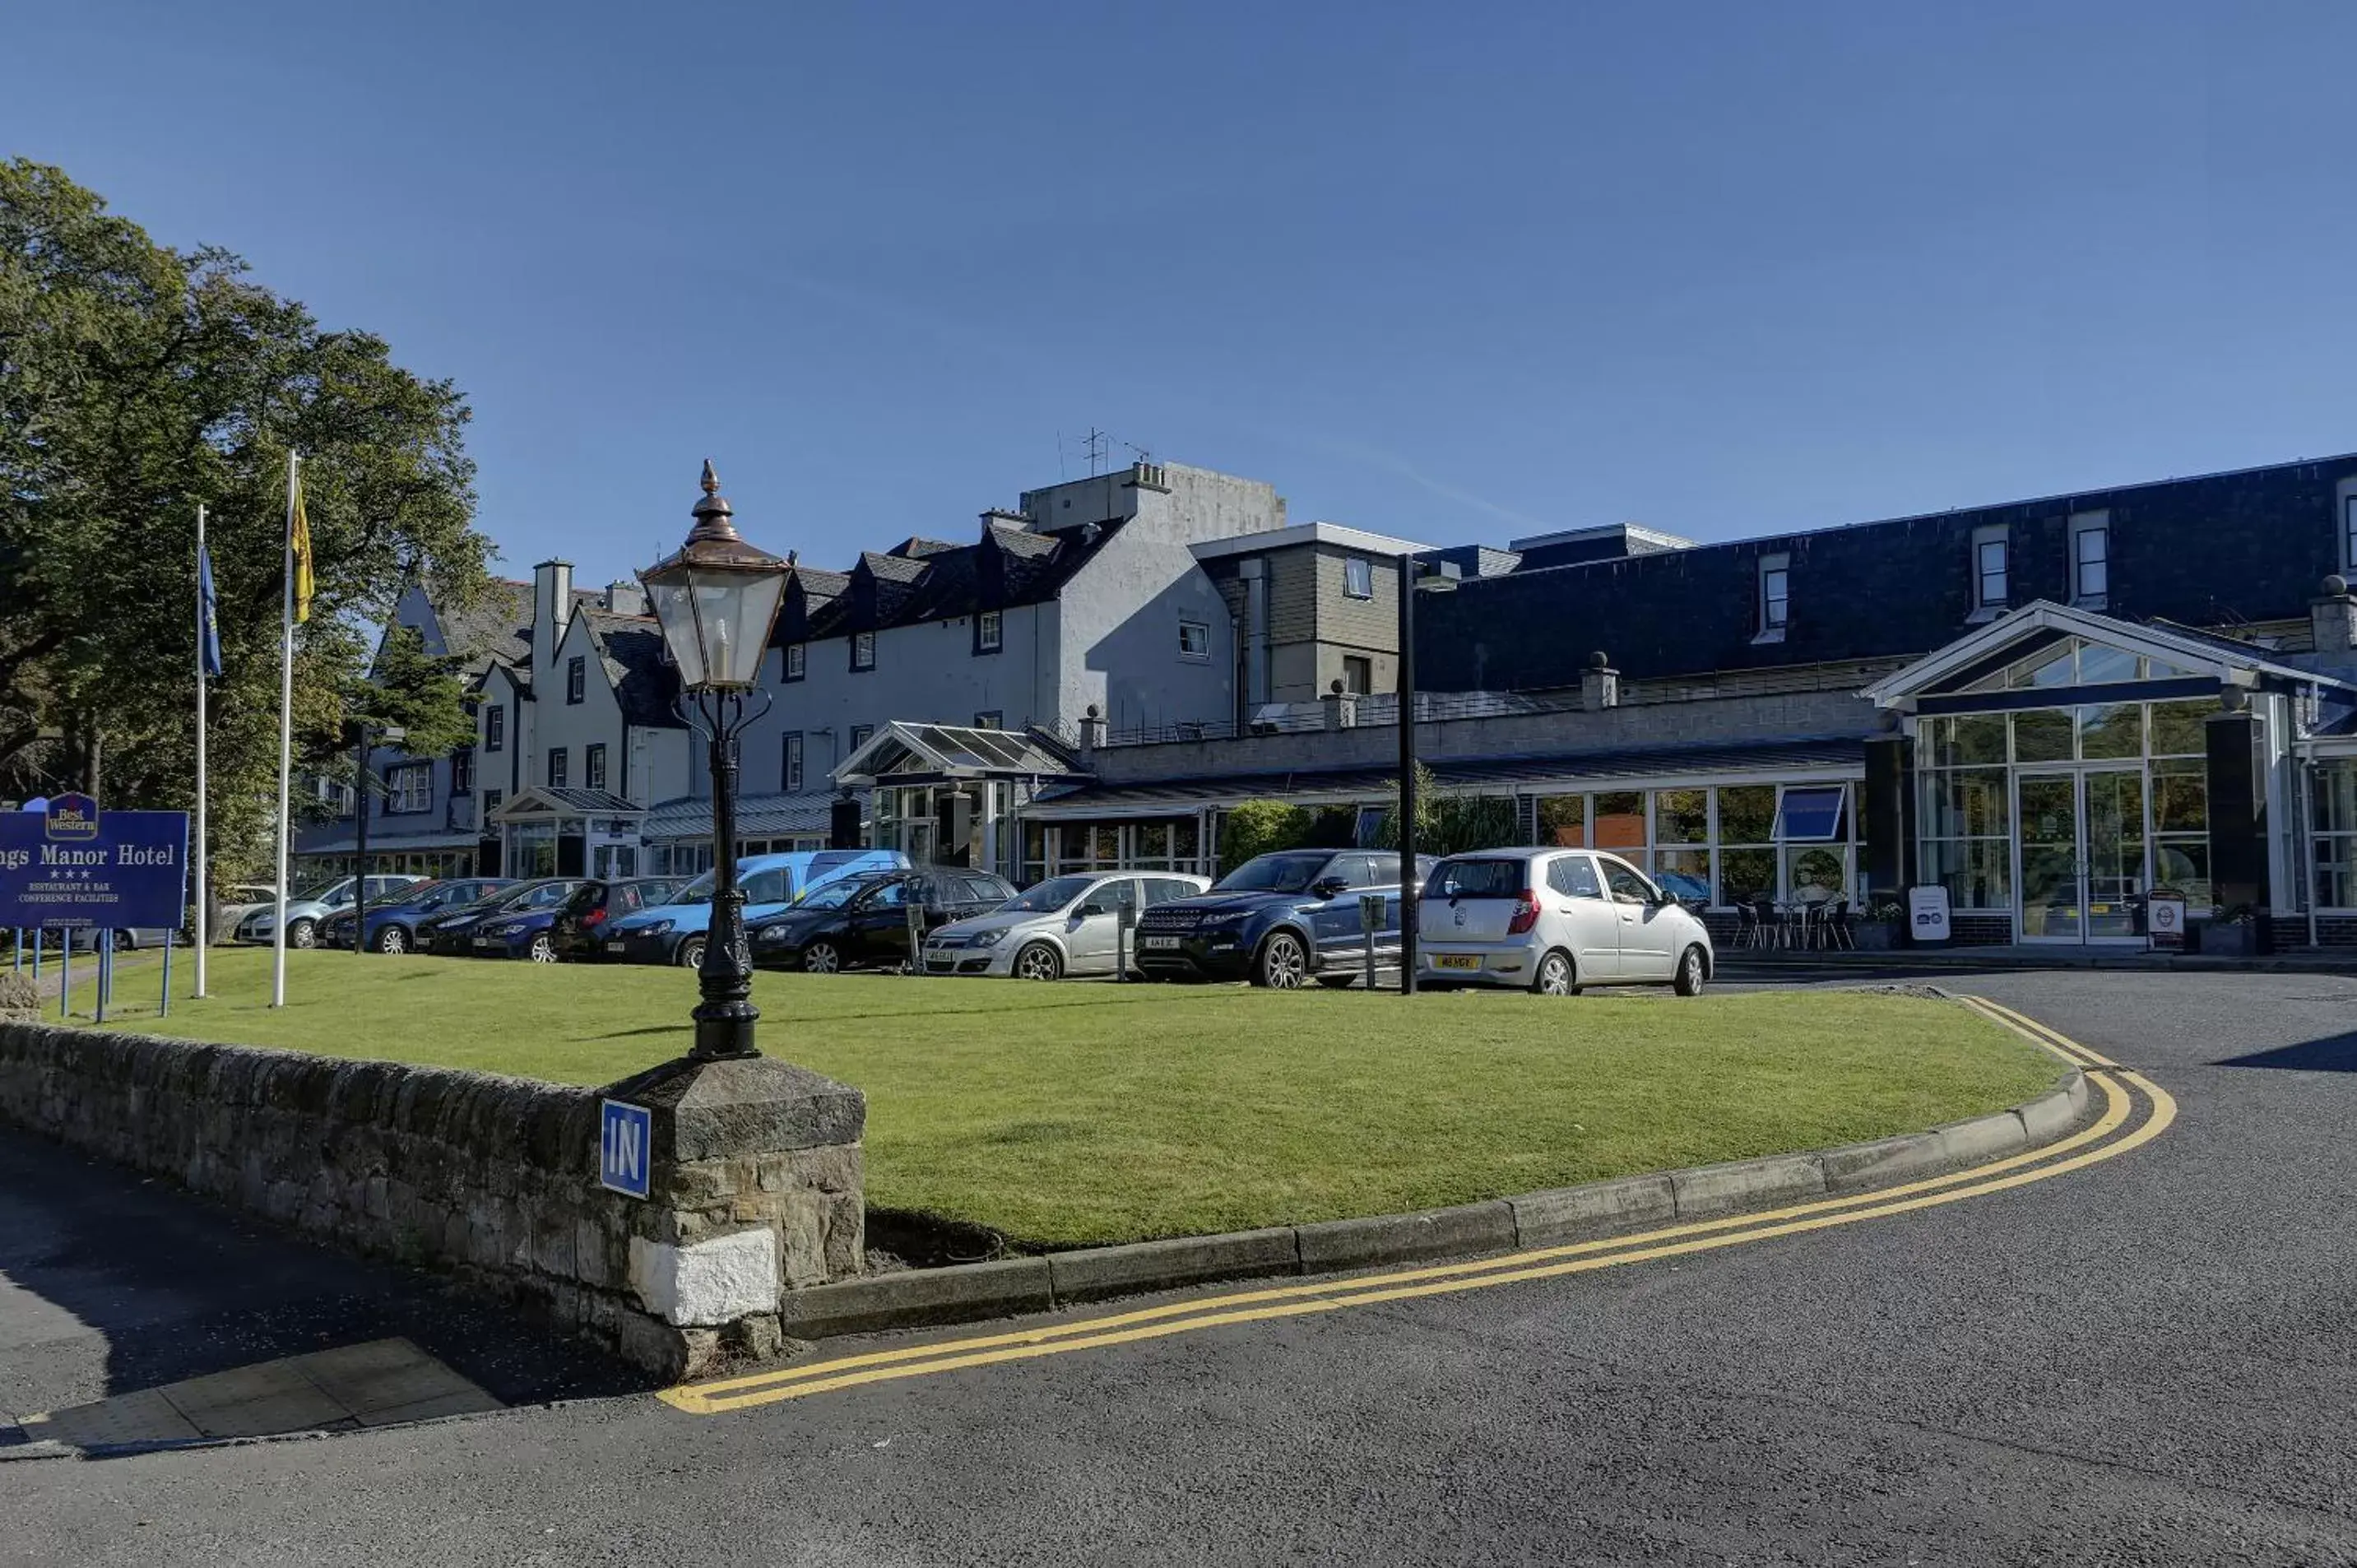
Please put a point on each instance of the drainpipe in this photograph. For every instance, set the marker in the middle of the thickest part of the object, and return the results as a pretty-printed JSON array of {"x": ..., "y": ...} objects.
[{"x": 2303, "y": 810}]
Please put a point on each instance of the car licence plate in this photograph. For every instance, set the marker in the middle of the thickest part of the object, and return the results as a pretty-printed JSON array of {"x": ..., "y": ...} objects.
[
  {"x": 1456, "y": 960},
  {"x": 1159, "y": 941},
  {"x": 617, "y": 947}
]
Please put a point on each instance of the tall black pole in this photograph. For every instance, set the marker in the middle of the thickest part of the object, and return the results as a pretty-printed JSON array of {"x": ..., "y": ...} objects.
[
  {"x": 724, "y": 1018},
  {"x": 1410, "y": 885},
  {"x": 360, "y": 841}
]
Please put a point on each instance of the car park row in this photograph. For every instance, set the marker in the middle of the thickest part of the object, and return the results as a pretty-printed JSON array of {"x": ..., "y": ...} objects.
[{"x": 1550, "y": 921}]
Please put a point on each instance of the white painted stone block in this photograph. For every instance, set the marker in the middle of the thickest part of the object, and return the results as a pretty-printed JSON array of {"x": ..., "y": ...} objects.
[{"x": 707, "y": 1282}]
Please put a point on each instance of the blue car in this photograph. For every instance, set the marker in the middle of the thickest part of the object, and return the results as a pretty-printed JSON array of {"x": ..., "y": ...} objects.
[
  {"x": 1279, "y": 920},
  {"x": 673, "y": 932},
  {"x": 519, "y": 928},
  {"x": 392, "y": 924}
]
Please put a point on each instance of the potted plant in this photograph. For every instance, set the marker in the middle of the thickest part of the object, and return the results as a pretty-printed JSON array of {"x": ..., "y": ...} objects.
[
  {"x": 1879, "y": 925},
  {"x": 2231, "y": 932}
]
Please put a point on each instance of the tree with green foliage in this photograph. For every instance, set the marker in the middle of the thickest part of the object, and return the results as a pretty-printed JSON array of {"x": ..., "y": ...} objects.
[
  {"x": 1260, "y": 827},
  {"x": 136, "y": 380},
  {"x": 1450, "y": 825}
]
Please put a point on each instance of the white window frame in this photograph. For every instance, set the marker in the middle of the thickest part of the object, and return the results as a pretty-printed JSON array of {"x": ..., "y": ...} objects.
[
  {"x": 2001, "y": 537},
  {"x": 862, "y": 651},
  {"x": 558, "y": 768},
  {"x": 860, "y": 735},
  {"x": 593, "y": 765},
  {"x": 2086, "y": 525},
  {"x": 1775, "y": 597},
  {"x": 795, "y": 656},
  {"x": 1358, "y": 577},
  {"x": 990, "y": 631},
  {"x": 409, "y": 789},
  {"x": 1201, "y": 639},
  {"x": 790, "y": 773}
]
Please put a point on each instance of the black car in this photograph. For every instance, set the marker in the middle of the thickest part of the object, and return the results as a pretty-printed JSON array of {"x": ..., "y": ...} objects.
[
  {"x": 864, "y": 921},
  {"x": 451, "y": 933},
  {"x": 1279, "y": 919},
  {"x": 579, "y": 933},
  {"x": 392, "y": 922}
]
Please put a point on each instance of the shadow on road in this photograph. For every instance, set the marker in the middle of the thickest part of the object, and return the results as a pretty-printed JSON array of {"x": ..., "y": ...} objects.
[
  {"x": 2333, "y": 1053},
  {"x": 112, "y": 1283}
]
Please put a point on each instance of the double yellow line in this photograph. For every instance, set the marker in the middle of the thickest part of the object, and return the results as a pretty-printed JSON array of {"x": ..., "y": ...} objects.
[{"x": 2101, "y": 1140}]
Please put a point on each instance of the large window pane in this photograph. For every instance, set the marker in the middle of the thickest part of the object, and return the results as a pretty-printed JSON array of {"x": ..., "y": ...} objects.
[
  {"x": 1563, "y": 821},
  {"x": 1819, "y": 872},
  {"x": 2113, "y": 730},
  {"x": 2182, "y": 865},
  {"x": 1746, "y": 874},
  {"x": 2336, "y": 871},
  {"x": 1969, "y": 802},
  {"x": 1620, "y": 820},
  {"x": 2098, "y": 665},
  {"x": 2043, "y": 734},
  {"x": 1685, "y": 873},
  {"x": 1681, "y": 816},
  {"x": 2177, "y": 727},
  {"x": 2180, "y": 798},
  {"x": 1978, "y": 872},
  {"x": 1967, "y": 739},
  {"x": 2334, "y": 792},
  {"x": 1747, "y": 813}
]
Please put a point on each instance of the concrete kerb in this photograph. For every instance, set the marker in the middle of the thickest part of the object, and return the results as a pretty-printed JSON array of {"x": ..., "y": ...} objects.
[{"x": 1591, "y": 1211}]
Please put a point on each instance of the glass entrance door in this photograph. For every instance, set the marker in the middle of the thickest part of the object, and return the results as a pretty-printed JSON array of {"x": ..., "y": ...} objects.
[
  {"x": 2083, "y": 853},
  {"x": 2047, "y": 807}
]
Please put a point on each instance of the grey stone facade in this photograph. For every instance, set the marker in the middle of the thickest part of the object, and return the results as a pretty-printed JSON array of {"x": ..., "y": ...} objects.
[{"x": 756, "y": 1184}]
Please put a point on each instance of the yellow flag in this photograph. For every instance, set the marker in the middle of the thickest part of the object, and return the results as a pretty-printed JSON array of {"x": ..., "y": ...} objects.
[{"x": 298, "y": 552}]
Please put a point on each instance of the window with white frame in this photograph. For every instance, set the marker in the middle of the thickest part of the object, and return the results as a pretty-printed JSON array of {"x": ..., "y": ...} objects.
[
  {"x": 1775, "y": 595},
  {"x": 989, "y": 631},
  {"x": 576, "y": 679},
  {"x": 1733, "y": 844},
  {"x": 495, "y": 728},
  {"x": 2091, "y": 559},
  {"x": 794, "y": 655},
  {"x": 861, "y": 735},
  {"x": 791, "y": 775},
  {"x": 862, "y": 651},
  {"x": 593, "y": 765},
  {"x": 1195, "y": 638},
  {"x": 1358, "y": 577},
  {"x": 557, "y": 770},
  {"x": 1991, "y": 563},
  {"x": 408, "y": 788}
]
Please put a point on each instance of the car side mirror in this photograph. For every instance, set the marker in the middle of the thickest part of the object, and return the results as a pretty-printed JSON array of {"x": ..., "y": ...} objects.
[
  {"x": 1089, "y": 911},
  {"x": 1328, "y": 886}
]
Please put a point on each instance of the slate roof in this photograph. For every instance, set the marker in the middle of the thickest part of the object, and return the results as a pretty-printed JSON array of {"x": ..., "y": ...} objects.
[
  {"x": 497, "y": 626},
  {"x": 758, "y": 816},
  {"x": 631, "y": 649},
  {"x": 923, "y": 580},
  {"x": 1836, "y": 752}
]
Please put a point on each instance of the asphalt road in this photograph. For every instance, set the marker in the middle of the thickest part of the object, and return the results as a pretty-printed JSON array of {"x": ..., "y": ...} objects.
[{"x": 2152, "y": 1360}]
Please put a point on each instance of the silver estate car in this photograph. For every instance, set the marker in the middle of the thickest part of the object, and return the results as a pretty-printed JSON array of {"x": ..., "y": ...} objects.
[{"x": 1066, "y": 925}]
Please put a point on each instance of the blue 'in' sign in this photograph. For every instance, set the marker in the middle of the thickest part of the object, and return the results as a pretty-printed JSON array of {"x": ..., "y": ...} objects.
[{"x": 625, "y": 1139}]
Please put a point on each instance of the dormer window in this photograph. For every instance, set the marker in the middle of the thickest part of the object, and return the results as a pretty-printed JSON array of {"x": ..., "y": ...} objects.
[
  {"x": 2091, "y": 559},
  {"x": 1775, "y": 596},
  {"x": 1991, "y": 563},
  {"x": 862, "y": 651}
]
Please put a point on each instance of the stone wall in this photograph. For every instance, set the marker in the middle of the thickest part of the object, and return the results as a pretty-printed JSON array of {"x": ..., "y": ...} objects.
[{"x": 756, "y": 1183}]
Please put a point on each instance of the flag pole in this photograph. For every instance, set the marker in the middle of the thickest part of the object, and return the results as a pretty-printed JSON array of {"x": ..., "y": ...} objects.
[
  {"x": 204, "y": 906},
  {"x": 285, "y": 743}
]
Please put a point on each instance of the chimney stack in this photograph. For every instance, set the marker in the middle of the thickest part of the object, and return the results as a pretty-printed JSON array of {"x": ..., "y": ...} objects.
[
  {"x": 2332, "y": 617},
  {"x": 1599, "y": 684},
  {"x": 626, "y": 598}
]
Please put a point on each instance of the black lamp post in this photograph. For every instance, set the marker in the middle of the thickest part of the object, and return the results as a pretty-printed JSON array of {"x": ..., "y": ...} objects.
[
  {"x": 716, "y": 601},
  {"x": 1428, "y": 577}
]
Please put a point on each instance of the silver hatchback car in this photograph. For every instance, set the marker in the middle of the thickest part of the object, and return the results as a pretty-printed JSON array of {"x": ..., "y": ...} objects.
[
  {"x": 1066, "y": 925},
  {"x": 1553, "y": 920}
]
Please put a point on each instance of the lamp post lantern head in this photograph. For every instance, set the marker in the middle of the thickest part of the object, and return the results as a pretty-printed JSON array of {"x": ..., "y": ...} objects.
[{"x": 716, "y": 600}]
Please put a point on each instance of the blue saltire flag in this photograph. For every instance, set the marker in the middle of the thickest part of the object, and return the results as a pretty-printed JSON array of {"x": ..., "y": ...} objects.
[{"x": 208, "y": 623}]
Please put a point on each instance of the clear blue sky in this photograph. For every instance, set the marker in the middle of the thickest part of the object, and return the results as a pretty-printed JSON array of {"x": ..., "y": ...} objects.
[{"x": 1456, "y": 271}]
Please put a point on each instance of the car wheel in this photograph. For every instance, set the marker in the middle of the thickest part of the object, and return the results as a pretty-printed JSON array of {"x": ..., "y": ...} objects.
[
  {"x": 1038, "y": 961},
  {"x": 392, "y": 938},
  {"x": 690, "y": 953},
  {"x": 1693, "y": 972},
  {"x": 1283, "y": 963},
  {"x": 543, "y": 949},
  {"x": 1337, "y": 982},
  {"x": 1556, "y": 977},
  {"x": 302, "y": 934},
  {"x": 821, "y": 958},
  {"x": 126, "y": 942}
]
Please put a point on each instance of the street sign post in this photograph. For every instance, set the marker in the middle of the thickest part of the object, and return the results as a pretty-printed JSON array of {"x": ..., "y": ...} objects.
[{"x": 625, "y": 1148}]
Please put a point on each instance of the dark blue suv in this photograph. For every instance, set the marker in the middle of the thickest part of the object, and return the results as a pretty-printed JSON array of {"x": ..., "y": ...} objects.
[{"x": 1279, "y": 919}]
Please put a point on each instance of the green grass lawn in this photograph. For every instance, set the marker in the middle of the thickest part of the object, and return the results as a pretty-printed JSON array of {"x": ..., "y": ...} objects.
[{"x": 1080, "y": 1113}]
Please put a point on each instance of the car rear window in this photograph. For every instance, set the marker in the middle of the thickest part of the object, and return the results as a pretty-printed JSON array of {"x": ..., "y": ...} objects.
[{"x": 1477, "y": 879}]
